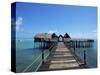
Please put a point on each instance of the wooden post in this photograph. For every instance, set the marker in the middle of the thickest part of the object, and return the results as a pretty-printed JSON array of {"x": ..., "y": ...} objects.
[
  {"x": 84, "y": 57},
  {"x": 85, "y": 44},
  {"x": 74, "y": 49},
  {"x": 79, "y": 44},
  {"x": 42, "y": 56},
  {"x": 49, "y": 46},
  {"x": 44, "y": 45},
  {"x": 74, "y": 46},
  {"x": 82, "y": 44}
]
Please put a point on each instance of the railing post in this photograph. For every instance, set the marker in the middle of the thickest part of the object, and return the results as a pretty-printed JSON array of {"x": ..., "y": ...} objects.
[
  {"x": 84, "y": 57},
  {"x": 42, "y": 50},
  {"x": 49, "y": 46},
  {"x": 74, "y": 50},
  {"x": 74, "y": 45},
  {"x": 42, "y": 56}
]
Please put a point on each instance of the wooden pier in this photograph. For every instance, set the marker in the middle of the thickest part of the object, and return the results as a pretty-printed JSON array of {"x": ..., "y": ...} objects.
[
  {"x": 62, "y": 52},
  {"x": 60, "y": 59}
]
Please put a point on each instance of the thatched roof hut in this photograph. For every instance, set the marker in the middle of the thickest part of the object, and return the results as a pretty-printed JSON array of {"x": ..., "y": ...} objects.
[
  {"x": 42, "y": 37},
  {"x": 49, "y": 37}
]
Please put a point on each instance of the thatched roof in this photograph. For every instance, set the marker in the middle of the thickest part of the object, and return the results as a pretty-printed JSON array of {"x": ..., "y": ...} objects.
[
  {"x": 49, "y": 35},
  {"x": 43, "y": 35}
]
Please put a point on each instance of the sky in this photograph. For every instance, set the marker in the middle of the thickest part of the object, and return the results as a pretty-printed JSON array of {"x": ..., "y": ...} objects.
[{"x": 77, "y": 21}]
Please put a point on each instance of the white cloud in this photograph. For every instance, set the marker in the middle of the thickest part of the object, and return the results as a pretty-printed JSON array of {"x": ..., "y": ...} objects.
[{"x": 19, "y": 23}]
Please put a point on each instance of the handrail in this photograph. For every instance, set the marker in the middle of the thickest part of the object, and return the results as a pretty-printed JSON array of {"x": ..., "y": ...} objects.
[
  {"x": 44, "y": 59},
  {"x": 35, "y": 61},
  {"x": 40, "y": 64},
  {"x": 76, "y": 56},
  {"x": 31, "y": 64}
]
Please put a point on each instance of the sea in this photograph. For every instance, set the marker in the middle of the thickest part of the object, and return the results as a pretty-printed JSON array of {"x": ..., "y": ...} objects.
[{"x": 29, "y": 58}]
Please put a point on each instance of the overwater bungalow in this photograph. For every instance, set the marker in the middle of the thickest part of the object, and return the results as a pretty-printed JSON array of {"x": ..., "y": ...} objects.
[
  {"x": 60, "y": 52},
  {"x": 50, "y": 37}
]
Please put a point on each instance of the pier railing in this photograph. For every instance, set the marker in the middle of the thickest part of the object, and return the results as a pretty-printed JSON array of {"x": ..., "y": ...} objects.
[
  {"x": 45, "y": 47},
  {"x": 79, "y": 48}
]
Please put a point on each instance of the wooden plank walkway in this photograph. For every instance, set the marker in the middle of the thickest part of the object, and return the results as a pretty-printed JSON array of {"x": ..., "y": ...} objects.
[{"x": 60, "y": 59}]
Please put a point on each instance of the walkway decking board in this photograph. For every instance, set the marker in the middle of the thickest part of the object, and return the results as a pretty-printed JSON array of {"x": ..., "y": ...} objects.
[{"x": 59, "y": 59}]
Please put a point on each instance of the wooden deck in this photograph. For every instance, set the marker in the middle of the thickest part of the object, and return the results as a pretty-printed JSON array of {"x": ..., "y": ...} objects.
[{"x": 60, "y": 59}]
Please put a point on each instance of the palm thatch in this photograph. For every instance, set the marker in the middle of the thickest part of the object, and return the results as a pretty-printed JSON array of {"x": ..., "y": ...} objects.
[{"x": 42, "y": 36}]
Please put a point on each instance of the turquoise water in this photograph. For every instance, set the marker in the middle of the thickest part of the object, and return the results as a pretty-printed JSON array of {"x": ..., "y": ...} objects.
[
  {"x": 91, "y": 55},
  {"x": 26, "y": 54}
]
